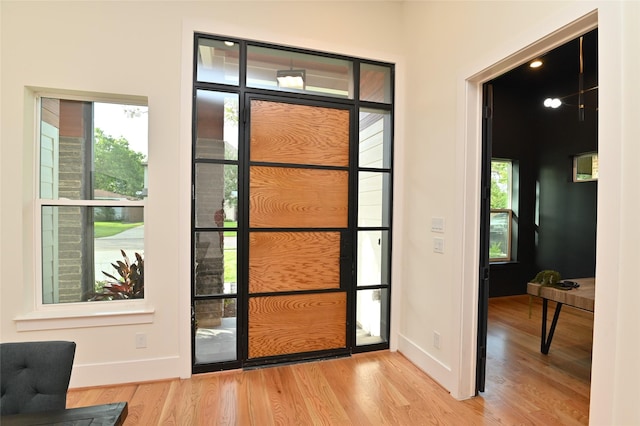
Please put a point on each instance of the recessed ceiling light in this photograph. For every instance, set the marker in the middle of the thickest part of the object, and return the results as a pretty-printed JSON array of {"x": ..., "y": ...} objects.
[
  {"x": 536, "y": 63},
  {"x": 229, "y": 43}
]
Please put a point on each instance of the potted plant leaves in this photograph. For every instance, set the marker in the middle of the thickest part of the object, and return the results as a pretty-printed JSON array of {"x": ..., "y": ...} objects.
[{"x": 129, "y": 284}]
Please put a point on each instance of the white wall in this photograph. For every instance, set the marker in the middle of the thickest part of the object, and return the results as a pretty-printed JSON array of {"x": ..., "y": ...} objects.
[
  {"x": 441, "y": 290},
  {"x": 616, "y": 354},
  {"x": 457, "y": 41},
  {"x": 144, "y": 49}
]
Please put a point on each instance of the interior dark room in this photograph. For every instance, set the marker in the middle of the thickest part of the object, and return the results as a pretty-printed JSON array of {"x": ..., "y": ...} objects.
[{"x": 553, "y": 225}]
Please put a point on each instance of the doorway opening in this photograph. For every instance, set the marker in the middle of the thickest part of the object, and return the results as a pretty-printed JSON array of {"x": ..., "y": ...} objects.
[{"x": 541, "y": 121}]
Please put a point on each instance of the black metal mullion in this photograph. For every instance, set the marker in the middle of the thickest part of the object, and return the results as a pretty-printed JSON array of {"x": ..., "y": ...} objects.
[
  {"x": 296, "y": 292},
  {"x": 242, "y": 305},
  {"x": 194, "y": 122},
  {"x": 297, "y": 229},
  {"x": 354, "y": 153},
  {"x": 391, "y": 210},
  {"x": 293, "y": 97},
  {"x": 88, "y": 264},
  {"x": 254, "y": 363},
  {"x": 215, "y": 296},
  {"x": 372, "y": 287},
  {"x": 297, "y": 166},
  {"x": 380, "y": 106}
]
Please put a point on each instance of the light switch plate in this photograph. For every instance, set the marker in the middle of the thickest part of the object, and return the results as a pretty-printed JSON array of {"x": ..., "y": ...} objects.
[
  {"x": 437, "y": 224},
  {"x": 438, "y": 245}
]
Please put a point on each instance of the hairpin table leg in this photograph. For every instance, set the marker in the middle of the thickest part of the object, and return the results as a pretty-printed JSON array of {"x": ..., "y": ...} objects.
[{"x": 545, "y": 341}]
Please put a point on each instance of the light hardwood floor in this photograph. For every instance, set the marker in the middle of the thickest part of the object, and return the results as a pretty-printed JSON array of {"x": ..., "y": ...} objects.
[{"x": 523, "y": 386}]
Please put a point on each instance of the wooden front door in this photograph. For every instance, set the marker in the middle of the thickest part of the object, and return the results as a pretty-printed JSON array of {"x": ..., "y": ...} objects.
[{"x": 298, "y": 222}]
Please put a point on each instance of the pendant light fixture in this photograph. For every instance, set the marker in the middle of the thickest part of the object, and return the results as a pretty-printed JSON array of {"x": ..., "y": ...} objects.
[
  {"x": 291, "y": 79},
  {"x": 581, "y": 84},
  {"x": 557, "y": 102}
]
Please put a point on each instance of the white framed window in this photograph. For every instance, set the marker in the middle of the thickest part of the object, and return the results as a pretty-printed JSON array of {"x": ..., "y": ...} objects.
[
  {"x": 501, "y": 215},
  {"x": 91, "y": 187}
]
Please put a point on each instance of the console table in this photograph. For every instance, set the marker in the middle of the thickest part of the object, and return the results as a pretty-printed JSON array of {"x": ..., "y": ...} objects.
[
  {"x": 582, "y": 297},
  {"x": 104, "y": 415}
]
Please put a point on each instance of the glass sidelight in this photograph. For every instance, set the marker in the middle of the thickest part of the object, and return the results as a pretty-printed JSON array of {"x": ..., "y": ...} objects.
[
  {"x": 372, "y": 308},
  {"x": 373, "y": 272},
  {"x": 215, "y": 220}
]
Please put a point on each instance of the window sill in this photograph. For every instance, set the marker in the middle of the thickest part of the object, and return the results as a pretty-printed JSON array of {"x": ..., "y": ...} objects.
[
  {"x": 504, "y": 263},
  {"x": 84, "y": 317}
]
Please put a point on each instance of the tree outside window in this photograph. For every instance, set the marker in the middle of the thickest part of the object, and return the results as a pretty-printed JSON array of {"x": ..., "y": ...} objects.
[
  {"x": 90, "y": 201},
  {"x": 501, "y": 213}
]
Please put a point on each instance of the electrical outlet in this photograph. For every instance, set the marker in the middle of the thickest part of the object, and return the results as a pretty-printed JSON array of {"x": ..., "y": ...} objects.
[
  {"x": 141, "y": 340},
  {"x": 438, "y": 245},
  {"x": 436, "y": 340}
]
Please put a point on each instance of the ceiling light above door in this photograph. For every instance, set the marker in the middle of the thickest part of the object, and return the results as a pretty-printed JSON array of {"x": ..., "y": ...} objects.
[{"x": 291, "y": 79}]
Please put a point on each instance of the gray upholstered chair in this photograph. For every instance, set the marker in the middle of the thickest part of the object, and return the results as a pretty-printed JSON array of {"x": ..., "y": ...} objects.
[{"x": 35, "y": 376}]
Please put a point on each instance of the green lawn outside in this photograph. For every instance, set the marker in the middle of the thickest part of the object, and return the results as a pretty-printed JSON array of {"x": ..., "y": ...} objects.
[
  {"x": 230, "y": 256},
  {"x": 108, "y": 229},
  {"x": 230, "y": 266},
  {"x": 229, "y": 224}
]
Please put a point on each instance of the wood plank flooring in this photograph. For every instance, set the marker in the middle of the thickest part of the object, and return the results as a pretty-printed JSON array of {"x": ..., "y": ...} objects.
[
  {"x": 383, "y": 388},
  {"x": 526, "y": 386}
]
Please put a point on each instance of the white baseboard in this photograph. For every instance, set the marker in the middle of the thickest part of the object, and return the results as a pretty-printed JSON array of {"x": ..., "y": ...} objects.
[
  {"x": 109, "y": 373},
  {"x": 144, "y": 370},
  {"x": 426, "y": 362}
]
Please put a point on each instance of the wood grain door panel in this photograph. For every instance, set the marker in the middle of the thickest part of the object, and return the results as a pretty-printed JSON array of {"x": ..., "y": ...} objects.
[
  {"x": 293, "y": 261},
  {"x": 298, "y": 212},
  {"x": 283, "y": 197},
  {"x": 302, "y": 134},
  {"x": 289, "y": 324}
]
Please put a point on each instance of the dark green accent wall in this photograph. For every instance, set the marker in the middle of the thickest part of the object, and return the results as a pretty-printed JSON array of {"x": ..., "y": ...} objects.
[{"x": 542, "y": 142}]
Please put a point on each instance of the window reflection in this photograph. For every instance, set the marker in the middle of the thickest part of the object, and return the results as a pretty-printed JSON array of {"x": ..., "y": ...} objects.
[
  {"x": 373, "y": 199},
  {"x": 216, "y": 330},
  {"x": 371, "y": 316},
  {"x": 374, "y": 139},
  {"x": 218, "y": 61},
  {"x": 375, "y": 83},
  {"x": 320, "y": 74}
]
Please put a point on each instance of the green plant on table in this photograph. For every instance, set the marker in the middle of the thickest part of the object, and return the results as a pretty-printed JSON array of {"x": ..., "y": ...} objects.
[{"x": 547, "y": 277}]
